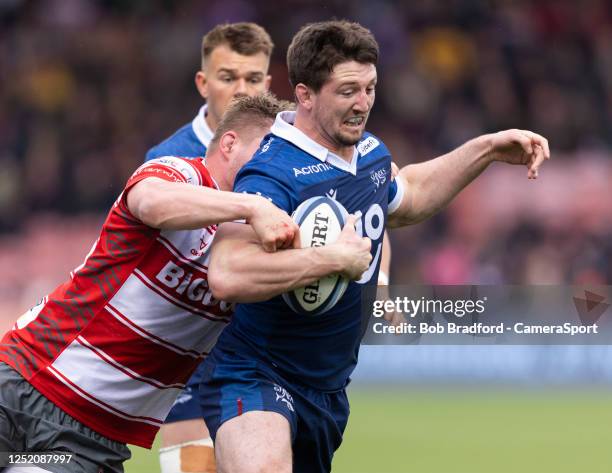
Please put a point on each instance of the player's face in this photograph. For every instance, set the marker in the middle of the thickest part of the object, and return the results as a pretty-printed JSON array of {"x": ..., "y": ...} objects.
[
  {"x": 227, "y": 75},
  {"x": 341, "y": 107}
]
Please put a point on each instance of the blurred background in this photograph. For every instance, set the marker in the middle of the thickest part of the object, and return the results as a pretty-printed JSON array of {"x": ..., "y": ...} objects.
[{"x": 87, "y": 86}]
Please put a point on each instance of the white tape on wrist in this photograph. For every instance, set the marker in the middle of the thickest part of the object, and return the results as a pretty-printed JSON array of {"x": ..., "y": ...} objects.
[{"x": 383, "y": 278}]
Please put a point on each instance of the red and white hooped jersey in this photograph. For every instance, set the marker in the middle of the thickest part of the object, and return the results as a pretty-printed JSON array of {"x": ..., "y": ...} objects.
[{"x": 115, "y": 345}]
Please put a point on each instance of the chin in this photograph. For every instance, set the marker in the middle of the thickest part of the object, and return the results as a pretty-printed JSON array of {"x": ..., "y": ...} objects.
[{"x": 352, "y": 139}]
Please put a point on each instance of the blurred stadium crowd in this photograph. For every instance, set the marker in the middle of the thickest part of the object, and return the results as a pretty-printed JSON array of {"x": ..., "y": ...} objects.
[{"x": 87, "y": 86}]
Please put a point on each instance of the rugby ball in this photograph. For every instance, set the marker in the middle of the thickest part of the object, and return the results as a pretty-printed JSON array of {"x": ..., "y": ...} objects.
[{"x": 321, "y": 220}]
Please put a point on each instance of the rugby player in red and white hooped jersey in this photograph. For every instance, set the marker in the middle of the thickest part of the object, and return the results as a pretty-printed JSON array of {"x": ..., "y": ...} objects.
[{"x": 99, "y": 361}]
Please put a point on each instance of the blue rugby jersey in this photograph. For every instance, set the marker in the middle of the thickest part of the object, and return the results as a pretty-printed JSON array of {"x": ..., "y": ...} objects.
[
  {"x": 189, "y": 141},
  {"x": 319, "y": 351}
]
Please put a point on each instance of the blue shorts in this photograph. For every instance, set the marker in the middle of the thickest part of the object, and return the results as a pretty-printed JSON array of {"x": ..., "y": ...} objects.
[
  {"x": 233, "y": 384},
  {"x": 187, "y": 405}
]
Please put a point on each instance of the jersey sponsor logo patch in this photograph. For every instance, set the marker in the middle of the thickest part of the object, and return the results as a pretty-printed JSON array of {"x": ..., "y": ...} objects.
[
  {"x": 379, "y": 177},
  {"x": 181, "y": 166},
  {"x": 312, "y": 169},
  {"x": 266, "y": 146},
  {"x": 283, "y": 396},
  {"x": 154, "y": 170},
  {"x": 367, "y": 145},
  {"x": 192, "y": 285},
  {"x": 205, "y": 241}
]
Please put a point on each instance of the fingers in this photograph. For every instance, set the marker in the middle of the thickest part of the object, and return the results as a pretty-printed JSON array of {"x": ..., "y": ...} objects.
[
  {"x": 540, "y": 141},
  {"x": 269, "y": 245},
  {"x": 535, "y": 163},
  {"x": 524, "y": 140},
  {"x": 297, "y": 241},
  {"x": 281, "y": 236},
  {"x": 351, "y": 221},
  {"x": 290, "y": 238},
  {"x": 535, "y": 148},
  {"x": 367, "y": 243},
  {"x": 541, "y": 152}
]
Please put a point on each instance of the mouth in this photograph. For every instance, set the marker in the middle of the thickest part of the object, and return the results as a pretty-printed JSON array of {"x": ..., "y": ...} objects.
[{"x": 354, "y": 122}]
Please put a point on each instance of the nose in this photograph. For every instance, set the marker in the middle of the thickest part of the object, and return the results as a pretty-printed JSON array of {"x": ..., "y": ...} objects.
[
  {"x": 363, "y": 102},
  {"x": 241, "y": 88}
]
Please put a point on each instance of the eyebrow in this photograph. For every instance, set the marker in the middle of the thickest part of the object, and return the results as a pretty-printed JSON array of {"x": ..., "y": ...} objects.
[
  {"x": 356, "y": 83},
  {"x": 234, "y": 71}
]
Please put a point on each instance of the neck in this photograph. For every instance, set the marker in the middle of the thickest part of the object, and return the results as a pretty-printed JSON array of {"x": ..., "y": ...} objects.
[
  {"x": 306, "y": 125},
  {"x": 216, "y": 171},
  {"x": 211, "y": 122}
]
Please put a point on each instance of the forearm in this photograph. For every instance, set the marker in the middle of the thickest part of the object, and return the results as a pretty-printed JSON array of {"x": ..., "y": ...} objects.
[
  {"x": 243, "y": 272},
  {"x": 431, "y": 185},
  {"x": 178, "y": 206},
  {"x": 385, "y": 261}
]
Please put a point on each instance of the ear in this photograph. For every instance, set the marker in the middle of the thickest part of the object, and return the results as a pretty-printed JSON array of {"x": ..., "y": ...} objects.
[
  {"x": 227, "y": 144},
  {"x": 201, "y": 83},
  {"x": 303, "y": 95}
]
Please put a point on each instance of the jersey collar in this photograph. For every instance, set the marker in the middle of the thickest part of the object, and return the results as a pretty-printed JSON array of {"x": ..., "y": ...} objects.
[
  {"x": 201, "y": 128},
  {"x": 283, "y": 128}
]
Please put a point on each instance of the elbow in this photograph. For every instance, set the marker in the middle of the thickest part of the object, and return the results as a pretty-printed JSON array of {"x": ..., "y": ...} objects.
[
  {"x": 148, "y": 205},
  {"x": 149, "y": 214},
  {"x": 221, "y": 285},
  {"x": 218, "y": 285},
  {"x": 407, "y": 218}
]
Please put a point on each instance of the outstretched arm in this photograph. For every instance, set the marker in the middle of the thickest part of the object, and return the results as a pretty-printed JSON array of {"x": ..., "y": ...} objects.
[
  {"x": 431, "y": 185},
  {"x": 240, "y": 271},
  {"x": 180, "y": 206}
]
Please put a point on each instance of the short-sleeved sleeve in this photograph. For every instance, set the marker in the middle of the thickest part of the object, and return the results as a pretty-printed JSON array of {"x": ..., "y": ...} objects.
[
  {"x": 396, "y": 193},
  {"x": 266, "y": 181},
  {"x": 168, "y": 168}
]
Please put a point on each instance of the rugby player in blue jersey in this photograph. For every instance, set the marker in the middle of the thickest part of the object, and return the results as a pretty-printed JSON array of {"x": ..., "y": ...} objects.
[
  {"x": 273, "y": 390},
  {"x": 234, "y": 63}
]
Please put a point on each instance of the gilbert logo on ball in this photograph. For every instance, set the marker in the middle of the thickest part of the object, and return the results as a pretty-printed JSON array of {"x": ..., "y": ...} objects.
[{"x": 321, "y": 220}]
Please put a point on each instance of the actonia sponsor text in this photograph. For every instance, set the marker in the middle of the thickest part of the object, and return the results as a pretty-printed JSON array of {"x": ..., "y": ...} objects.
[{"x": 312, "y": 169}]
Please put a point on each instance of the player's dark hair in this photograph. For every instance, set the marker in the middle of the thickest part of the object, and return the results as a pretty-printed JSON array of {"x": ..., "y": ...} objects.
[
  {"x": 248, "y": 113},
  {"x": 318, "y": 47},
  {"x": 244, "y": 38}
]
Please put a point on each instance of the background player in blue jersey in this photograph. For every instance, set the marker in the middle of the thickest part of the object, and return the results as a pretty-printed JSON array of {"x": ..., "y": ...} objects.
[
  {"x": 273, "y": 393},
  {"x": 235, "y": 60}
]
